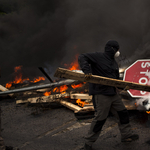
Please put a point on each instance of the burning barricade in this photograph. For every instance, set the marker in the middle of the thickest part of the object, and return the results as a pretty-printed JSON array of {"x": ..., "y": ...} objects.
[{"x": 72, "y": 92}]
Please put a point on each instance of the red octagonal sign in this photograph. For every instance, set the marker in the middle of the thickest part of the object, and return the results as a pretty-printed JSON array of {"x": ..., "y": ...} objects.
[{"x": 138, "y": 72}]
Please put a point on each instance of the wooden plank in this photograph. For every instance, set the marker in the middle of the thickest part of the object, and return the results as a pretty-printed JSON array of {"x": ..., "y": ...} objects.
[
  {"x": 43, "y": 99},
  {"x": 50, "y": 98},
  {"x": 2, "y": 88},
  {"x": 65, "y": 73},
  {"x": 80, "y": 96},
  {"x": 71, "y": 106}
]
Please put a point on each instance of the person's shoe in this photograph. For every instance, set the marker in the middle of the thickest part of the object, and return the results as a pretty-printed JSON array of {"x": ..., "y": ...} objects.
[
  {"x": 131, "y": 138},
  {"x": 87, "y": 147}
]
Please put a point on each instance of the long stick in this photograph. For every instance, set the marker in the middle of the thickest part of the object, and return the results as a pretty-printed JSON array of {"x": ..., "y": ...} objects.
[
  {"x": 65, "y": 73},
  {"x": 66, "y": 82}
]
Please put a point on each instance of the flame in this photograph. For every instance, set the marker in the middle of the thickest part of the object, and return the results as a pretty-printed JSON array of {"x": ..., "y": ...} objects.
[
  {"x": 74, "y": 86},
  {"x": 63, "y": 88},
  {"x": 56, "y": 89},
  {"x": 148, "y": 112},
  {"x": 74, "y": 65},
  {"x": 18, "y": 79},
  {"x": 37, "y": 79},
  {"x": 8, "y": 85},
  {"x": 47, "y": 93},
  {"x": 17, "y": 68},
  {"x": 80, "y": 103}
]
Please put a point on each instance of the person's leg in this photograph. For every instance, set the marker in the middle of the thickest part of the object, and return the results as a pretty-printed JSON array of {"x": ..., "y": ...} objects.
[
  {"x": 120, "y": 112},
  {"x": 102, "y": 104}
]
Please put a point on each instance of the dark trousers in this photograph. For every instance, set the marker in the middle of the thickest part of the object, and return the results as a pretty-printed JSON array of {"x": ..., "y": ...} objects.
[{"x": 103, "y": 105}]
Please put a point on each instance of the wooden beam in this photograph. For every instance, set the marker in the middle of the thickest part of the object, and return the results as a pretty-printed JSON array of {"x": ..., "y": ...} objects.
[
  {"x": 71, "y": 106},
  {"x": 80, "y": 96},
  {"x": 65, "y": 73},
  {"x": 43, "y": 99},
  {"x": 2, "y": 88}
]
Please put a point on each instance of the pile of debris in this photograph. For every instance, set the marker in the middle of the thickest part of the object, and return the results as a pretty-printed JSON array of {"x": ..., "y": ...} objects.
[{"x": 72, "y": 94}]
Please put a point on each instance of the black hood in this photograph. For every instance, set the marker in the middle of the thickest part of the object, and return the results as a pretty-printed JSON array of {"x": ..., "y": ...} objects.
[{"x": 111, "y": 48}]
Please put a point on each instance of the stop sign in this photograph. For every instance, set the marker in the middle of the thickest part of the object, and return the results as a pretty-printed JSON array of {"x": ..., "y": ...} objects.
[{"x": 138, "y": 72}]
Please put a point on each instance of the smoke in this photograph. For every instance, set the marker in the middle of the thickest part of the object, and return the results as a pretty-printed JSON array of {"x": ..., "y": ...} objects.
[
  {"x": 143, "y": 103},
  {"x": 50, "y": 33}
]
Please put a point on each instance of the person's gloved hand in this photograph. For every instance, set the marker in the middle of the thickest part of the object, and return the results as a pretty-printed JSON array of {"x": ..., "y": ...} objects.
[{"x": 88, "y": 76}]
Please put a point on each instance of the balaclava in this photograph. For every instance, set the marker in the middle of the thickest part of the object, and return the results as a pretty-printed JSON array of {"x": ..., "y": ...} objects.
[{"x": 111, "y": 48}]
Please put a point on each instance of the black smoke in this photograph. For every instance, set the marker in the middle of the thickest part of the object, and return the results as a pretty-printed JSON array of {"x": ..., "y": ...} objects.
[{"x": 49, "y": 33}]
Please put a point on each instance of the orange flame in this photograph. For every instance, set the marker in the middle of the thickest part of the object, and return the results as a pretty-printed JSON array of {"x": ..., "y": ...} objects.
[
  {"x": 74, "y": 65},
  {"x": 76, "y": 86},
  {"x": 8, "y": 85},
  {"x": 56, "y": 89},
  {"x": 37, "y": 79},
  {"x": 63, "y": 88},
  {"x": 17, "y": 68},
  {"x": 148, "y": 112},
  {"x": 80, "y": 103},
  {"x": 47, "y": 93},
  {"x": 18, "y": 79}
]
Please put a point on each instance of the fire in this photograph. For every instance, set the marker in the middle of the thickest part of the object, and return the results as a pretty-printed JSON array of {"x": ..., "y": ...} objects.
[
  {"x": 37, "y": 79},
  {"x": 63, "y": 88},
  {"x": 76, "y": 86},
  {"x": 56, "y": 89},
  {"x": 74, "y": 65},
  {"x": 148, "y": 112},
  {"x": 80, "y": 103},
  {"x": 47, "y": 93},
  {"x": 8, "y": 85},
  {"x": 18, "y": 79},
  {"x": 17, "y": 68}
]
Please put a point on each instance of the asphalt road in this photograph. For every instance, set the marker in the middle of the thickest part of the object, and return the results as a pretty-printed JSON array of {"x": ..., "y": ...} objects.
[{"x": 48, "y": 128}]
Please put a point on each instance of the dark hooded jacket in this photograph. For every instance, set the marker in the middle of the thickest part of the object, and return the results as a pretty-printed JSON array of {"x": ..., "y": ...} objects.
[{"x": 101, "y": 64}]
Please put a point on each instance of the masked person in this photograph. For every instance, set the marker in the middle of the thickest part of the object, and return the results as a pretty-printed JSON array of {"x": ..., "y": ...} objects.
[{"x": 105, "y": 98}]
